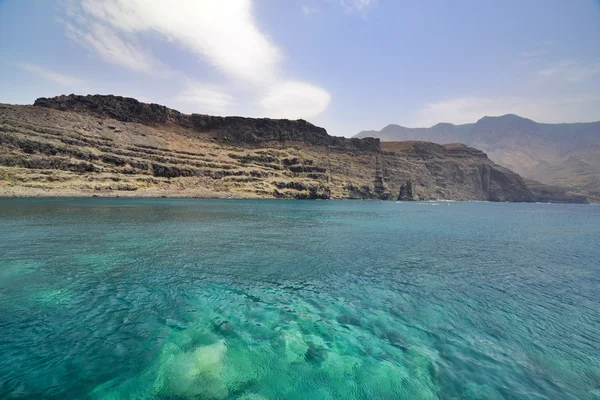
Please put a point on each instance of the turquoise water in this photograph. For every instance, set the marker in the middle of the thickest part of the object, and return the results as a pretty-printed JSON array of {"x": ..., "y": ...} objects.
[{"x": 239, "y": 299}]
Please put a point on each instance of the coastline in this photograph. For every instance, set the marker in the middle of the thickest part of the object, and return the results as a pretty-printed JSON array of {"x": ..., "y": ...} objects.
[
  {"x": 71, "y": 146},
  {"x": 24, "y": 192},
  {"x": 33, "y": 193}
]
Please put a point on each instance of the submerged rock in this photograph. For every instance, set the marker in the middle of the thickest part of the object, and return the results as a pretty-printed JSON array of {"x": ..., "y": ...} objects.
[
  {"x": 252, "y": 396},
  {"x": 295, "y": 347},
  {"x": 348, "y": 319},
  {"x": 195, "y": 373},
  {"x": 339, "y": 366},
  {"x": 316, "y": 354}
]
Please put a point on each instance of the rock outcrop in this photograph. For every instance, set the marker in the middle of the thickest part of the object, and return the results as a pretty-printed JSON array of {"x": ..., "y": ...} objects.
[
  {"x": 406, "y": 192},
  {"x": 559, "y": 155},
  {"x": 225, "y": 129},
  {"x": 110, "y": 145},
  {"x": 454, "y": 171}
]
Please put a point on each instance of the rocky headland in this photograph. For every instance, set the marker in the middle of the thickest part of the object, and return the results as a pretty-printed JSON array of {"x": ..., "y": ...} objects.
[
  {"x": 115, "y": 146},
  {"x": 565, "y": 158}
]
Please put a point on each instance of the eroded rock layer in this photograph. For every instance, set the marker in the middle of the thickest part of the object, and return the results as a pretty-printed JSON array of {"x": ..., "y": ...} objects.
[{"x": 109, "y": 145}]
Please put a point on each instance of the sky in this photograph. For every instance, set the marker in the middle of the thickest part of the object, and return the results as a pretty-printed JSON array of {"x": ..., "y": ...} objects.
[{"x": 346, "y": 65}]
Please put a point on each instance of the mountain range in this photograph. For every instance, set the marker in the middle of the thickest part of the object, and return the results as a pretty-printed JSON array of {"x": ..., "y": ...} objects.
[{"x": 566, "y": 155}]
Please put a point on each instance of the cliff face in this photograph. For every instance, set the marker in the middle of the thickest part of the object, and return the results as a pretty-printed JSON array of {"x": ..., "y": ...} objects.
[
  {"x": 108, "y": 146},
  {"x": 565, "y": 156},
  {"x": 452, "y": 171},
  {"x": 227, "y": 129}
]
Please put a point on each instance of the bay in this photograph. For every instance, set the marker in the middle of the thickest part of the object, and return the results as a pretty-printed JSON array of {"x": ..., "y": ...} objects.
[{"x": 267, "y": 299}]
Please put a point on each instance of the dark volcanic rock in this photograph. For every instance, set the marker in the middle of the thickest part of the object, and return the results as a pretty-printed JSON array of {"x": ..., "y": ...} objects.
[
  {"x": 406, "y": 192},
  {"x": 457, "y": 168},
  {"x": 230, "y": 129},
  {"x": 120, "y": 108}
]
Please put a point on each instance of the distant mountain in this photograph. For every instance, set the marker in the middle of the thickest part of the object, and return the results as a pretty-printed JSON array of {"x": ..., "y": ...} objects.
[{"x": 567, "y": 155}]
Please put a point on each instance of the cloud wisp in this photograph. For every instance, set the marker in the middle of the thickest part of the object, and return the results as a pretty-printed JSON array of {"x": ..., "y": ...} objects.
[
  {"x": 534, "y": 53},
  {"x": 207, "y": 97},
  {"x": 222, "y": 34},
  {"x": 310, "y": 10},
  {"x": 357, "y": 5},
  {"x": 112, "y": 48},
  {"x": 570, "y": 71},
  {"x": 43, "y": 72},
  {"x": 290, "y": 99}
]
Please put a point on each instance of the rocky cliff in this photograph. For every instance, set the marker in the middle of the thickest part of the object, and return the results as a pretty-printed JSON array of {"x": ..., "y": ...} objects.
[
  {"x": 564, "y": 156},
  {"x": 227, "y": 129},
  {"x": 452, "y": 171},
  {"x": 109, "y": 146}
]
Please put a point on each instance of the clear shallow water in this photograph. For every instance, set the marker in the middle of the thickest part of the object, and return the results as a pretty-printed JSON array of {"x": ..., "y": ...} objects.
[{"x": 228, "y": 299}]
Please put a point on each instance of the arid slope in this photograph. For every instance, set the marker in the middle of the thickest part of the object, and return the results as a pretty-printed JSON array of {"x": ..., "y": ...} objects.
[
  {"x": 109, "y": 146},
  {"x": 565, "y": 155}
]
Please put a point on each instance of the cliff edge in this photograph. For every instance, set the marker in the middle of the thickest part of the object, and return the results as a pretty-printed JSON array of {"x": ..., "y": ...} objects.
[{"x": 230, "y": 129}]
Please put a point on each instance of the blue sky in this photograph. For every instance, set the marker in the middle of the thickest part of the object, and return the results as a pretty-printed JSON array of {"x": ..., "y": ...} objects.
[{"x": 346, "y": 65}]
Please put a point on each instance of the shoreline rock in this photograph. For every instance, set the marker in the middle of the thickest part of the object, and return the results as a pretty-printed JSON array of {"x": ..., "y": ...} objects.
[{"x": 109, "y": 146}]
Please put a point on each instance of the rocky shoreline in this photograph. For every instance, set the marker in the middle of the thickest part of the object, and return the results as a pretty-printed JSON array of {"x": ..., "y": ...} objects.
[{"x": 110, "y": 146}]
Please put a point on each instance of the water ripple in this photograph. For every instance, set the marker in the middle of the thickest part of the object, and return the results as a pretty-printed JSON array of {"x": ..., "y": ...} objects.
[{"x": 197, "y": 299}]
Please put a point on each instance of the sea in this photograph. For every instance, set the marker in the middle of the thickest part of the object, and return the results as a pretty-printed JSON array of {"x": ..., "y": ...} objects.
[{"x": 275, "y": 299}]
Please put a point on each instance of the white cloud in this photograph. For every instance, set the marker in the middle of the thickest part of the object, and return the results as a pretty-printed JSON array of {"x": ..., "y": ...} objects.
[
  {"x": 295, "y": 100},
  {"x": 534, "y": 53},
  {"x": 567, "y": 108},
  {"x": 570, "y": 71},
  {"x": 205, "y": 98},
  {"x": 360, "y": 5},
  {"x": 223, "y": 34},
  {"x": 310, "y": 10},
  {"x": 61, "y": 79},
  {"x": 111, "y": 48}
]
